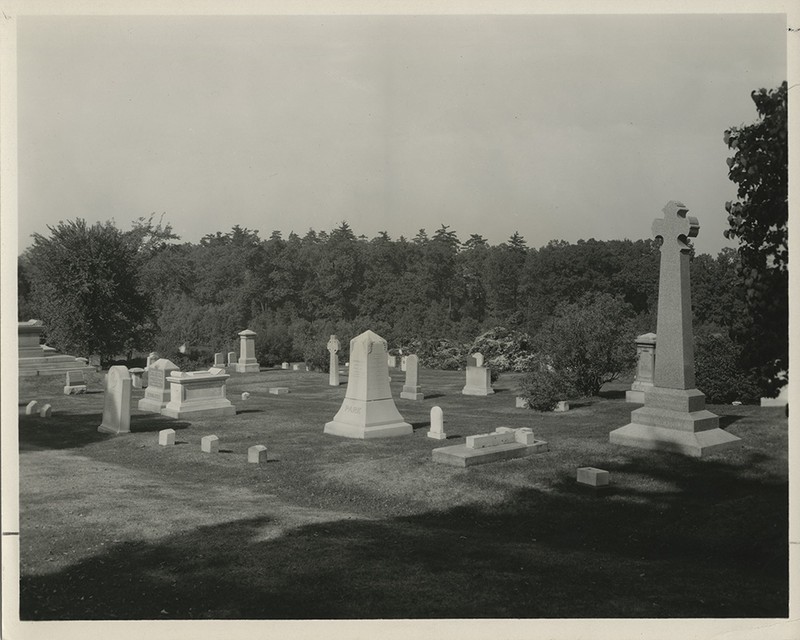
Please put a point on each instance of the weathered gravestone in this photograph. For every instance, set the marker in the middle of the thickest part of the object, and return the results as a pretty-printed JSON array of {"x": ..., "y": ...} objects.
[
  {"x": 391, "y": 361},
  {"x": 437, "y": 424},
  {"x": 403, "y": 363},
  {"x": 645, "y": 368},
  {"x": 117, "y": 401},
  {"x": 152, "y": 358},
  {"x": 76, "y": 382},
  {"x": 46, "y": 411},
  {"x": 231, "y": 360},
  {"x": 674, "y": 417},
  {"x": 411, "y": 390},
  {"x": 333, "y": 348},
  {"x": 157, "y": 394},
  {"x": 31, "y": 408},
  {"x": 593, "y": 477},
  {"x": 247, "y": 352},
  {"x": 479, "y": 378},
  {"x": 166, "y": 437},
  {"x": 196, "y": 394},
  {"x": 368, "y": 410},
  {"x": 137, "y": 374},
  {"x": 219, "y": 360}
]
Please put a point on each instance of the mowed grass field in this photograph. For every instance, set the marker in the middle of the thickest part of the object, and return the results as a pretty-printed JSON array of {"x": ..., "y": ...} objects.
[{"x": 118, "y": 527}]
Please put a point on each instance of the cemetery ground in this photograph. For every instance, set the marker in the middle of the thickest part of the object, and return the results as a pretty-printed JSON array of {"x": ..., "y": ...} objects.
[{"x": 118, "y": 527}]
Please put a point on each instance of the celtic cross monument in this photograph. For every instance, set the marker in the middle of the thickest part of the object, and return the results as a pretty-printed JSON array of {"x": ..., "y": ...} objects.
[{"x": 674, "y": 417}]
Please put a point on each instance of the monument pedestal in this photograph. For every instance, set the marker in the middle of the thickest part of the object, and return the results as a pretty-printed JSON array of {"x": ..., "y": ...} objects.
[
  {"x": 368, "y": 419},
  {"x": 674, "y": 420}
]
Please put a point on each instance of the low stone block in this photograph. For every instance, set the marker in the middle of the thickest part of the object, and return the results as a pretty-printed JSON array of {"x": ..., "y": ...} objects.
[
  {"x": 525, "y": 436},
  {"x": 245, "y": 396},
  {"x": 209, "y": 444},
  {"x": 257, "y": 454},
  {"x": 299, "y": 366},
  {"x": 31, "y": 408},
  {"x": 166, "y": 437},
  {"x": 593, "y": 477},
  {"x": 74, "y": 389},
  {"x": 562, "y": 406},
  {"x": 46, "y": 411},
  {"x": 284, "y": 365},
  {"x": 216, "y": 371},
  {"x": 489, "y": 440},
  {"x": 523, "y": 403},
  {"x": 278, "y": 390}
]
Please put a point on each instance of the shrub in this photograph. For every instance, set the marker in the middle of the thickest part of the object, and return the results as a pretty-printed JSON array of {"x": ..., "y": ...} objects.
[
  {"x": 718, "y": 373},
  {"x": 589, "y": 342},
  {"x": 544, "y": 389},
  {"x": 504, "y": 349}
]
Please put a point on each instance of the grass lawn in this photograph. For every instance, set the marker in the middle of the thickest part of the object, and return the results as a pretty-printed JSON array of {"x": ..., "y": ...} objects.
[{"x": 117, "y": 527}]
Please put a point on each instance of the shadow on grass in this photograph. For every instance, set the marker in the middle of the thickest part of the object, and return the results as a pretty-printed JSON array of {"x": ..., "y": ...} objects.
[
  {"x": 726, "y": 421},
  {"x": 420, "y": 425},
  {"x": 428, "y": 396},
  {"x": 72, "y": 431},
  {"x": 712, "y": 544},
  {"x": 240, "y": 411},
  {"x": 612, "y": 394}
]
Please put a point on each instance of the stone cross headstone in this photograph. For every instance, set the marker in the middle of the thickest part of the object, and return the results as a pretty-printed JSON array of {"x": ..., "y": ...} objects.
[
  {"x": 247, "y": 352},
  {"x": 333, "y": 348},
  {"x": 437, "y": 424},
  {"x": 117, "y": 402},
  {"x": 368, "y": 410},
  {"x": 674, "y": 417},
  {"x": 645, "y": 368},
  {"x": 219, "y": 360},
  {"x": 412, "y": 390}
]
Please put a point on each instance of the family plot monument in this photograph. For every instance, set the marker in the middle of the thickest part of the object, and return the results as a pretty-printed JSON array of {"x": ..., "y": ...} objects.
[
  {"x": 674, "y": 417},
  {"x": 247, "y": 352},
  {"x": 368, "y": 410}
]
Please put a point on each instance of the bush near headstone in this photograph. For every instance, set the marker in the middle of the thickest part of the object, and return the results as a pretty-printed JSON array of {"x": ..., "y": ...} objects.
[
  {"x": 717, "y": 370},
  {"x": 544, "y": 389},
  {"x": 505, "y": 349}
]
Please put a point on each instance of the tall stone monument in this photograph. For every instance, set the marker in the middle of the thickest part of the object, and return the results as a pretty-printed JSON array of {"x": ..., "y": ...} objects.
[
  {"x": 247, "y": 353},
  {"x": 333, "y": 348},
  {"x": 645, "y": 368},
  {"x": 674, "y": 417},
  {"x": 368, "y": 410},
  {"x": 117, "y": 402}
]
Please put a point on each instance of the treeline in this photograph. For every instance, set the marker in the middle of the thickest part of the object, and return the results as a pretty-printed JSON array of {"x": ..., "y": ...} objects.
[{"x": 102, "y": 290}]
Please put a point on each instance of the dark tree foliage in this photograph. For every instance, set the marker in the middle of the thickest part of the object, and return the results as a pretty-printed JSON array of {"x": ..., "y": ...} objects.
[
  {"x": 85, "y": 287},
  {"x": 758, "y": 220}
]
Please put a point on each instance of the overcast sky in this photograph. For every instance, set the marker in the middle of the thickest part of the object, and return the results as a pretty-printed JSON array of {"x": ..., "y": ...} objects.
[{"x": 560, "y": 127}]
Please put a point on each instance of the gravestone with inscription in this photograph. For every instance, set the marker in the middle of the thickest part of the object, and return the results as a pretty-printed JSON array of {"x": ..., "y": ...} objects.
[
  {"x": 333, "y": 348},
  {"x": 411, "y": 390},
  {"x": 117, "y": 401},
  {"x": 157, "y": 394},
  {"x": 368, "y": 410},
  {"x": 645, "y": 368},
  {"x": 674, "y": 417},
  {"x": 76, "y": 382}
]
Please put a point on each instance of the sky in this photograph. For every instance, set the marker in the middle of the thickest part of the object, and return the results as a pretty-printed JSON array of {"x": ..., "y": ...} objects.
[{"x": 555, "y": 126}]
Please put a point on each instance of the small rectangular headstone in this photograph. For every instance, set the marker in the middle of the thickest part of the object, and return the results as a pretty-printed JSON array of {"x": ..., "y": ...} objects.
[
  {"x": 257, "y": 454},
  {"x": 523, "y": 403},
  {"x": 562, "y": 406},
  {"x": 231, "y": 358},
  {"x": 166, "y": 437},
  {"x": 219, "y": 360},
  {"x": 524, "y": 436},
  {"x": 209, "y": 444},
  {"x": 437, "y": 424},
  {"x": 46, "y": 411},
  {"x": 593, "y": 477},
  {"x": 278, "y": 390},
  {"x": 284, "y": 365},
  {"x": 31, "y": 408}
]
